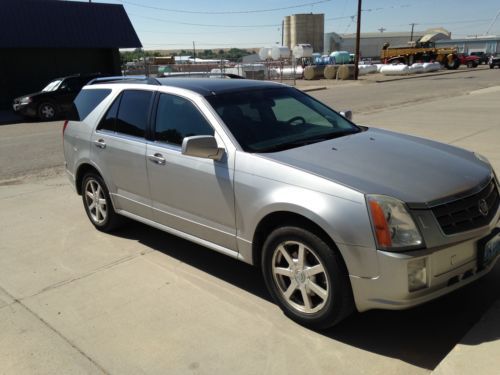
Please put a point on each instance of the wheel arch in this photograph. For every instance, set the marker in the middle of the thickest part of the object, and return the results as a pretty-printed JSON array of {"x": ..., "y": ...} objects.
[
  {"x": 278, "y": 219},
  {"x": 81, "y": 171}
]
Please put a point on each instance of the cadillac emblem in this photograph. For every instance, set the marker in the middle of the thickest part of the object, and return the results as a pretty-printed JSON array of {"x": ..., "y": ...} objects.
[{"x": 483, "y": 207}]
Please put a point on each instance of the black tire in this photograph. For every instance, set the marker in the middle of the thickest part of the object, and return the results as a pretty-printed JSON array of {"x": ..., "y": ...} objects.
[
  {"x": 492, "y": 66},
  {"x": 333, "y": 280},
  {"x": 47, "y": 111},
  {"x": 470, "y": 64},
  {"x": 104, "y": 219},
  {"x": 451, "y": 62}
]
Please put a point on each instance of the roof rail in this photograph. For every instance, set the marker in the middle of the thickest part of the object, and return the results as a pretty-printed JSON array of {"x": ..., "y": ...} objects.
[
  {"x": 200, "y": 75},
  {"x": 125, "y": 79}
]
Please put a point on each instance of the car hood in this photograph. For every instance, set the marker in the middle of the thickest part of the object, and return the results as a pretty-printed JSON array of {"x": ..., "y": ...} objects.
[
  {"x": 414, "y": 170},
  {"x": 32, "y": 95}
]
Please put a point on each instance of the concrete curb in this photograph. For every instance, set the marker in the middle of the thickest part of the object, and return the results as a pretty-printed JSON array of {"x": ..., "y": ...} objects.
[
  {"x": 313, "y": 88},
  {"x": 458, "y": 71}
]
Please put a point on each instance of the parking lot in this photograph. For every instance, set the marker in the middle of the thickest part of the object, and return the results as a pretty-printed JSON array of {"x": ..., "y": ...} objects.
[{"x": 74, "y": 300}]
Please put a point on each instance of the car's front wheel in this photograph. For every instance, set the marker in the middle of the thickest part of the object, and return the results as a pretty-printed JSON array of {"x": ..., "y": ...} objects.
[
  {"x": 306, "y": 277},
  {"x": 47, "y": 111},
  {"x": 98, "y": 204}
]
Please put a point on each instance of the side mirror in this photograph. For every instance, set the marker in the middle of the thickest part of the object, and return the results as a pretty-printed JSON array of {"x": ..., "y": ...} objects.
[
  {"x": 347, "y": 114},
  {"x": 202, "y": 146}
]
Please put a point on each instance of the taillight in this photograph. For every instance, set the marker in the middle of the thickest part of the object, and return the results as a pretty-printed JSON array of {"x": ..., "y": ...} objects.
[{"x": 65, "y": 125}]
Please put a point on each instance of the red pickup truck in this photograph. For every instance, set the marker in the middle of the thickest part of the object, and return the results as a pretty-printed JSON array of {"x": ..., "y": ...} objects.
[{"x": 470, "y": 61}]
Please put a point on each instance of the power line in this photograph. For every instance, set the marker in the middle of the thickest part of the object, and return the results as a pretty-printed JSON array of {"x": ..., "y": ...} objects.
[
  {"x": 228, "y": 11},
  {"x": 220, "y": 25},
  {"x": 200, "y": 24}
]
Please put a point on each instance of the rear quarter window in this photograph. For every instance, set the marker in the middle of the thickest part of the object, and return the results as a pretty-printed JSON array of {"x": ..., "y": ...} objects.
[{"x": 86, "y": 102}]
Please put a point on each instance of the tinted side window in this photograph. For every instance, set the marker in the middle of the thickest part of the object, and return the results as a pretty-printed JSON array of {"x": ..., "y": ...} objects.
[
  {"x": 133, "y": 112},
  {"x": 71, "y": 85},
  {"x": 108, "y": 122},
  {"x": 86, "y": 102},
  {"x": 177, "y": 118}
]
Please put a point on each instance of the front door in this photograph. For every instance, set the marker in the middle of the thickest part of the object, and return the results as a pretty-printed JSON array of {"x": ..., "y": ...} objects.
[{"x": 189, "y": 194}]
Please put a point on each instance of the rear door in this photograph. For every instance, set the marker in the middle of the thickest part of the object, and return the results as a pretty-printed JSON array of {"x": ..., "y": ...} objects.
[{"x": 119, "y": 150}]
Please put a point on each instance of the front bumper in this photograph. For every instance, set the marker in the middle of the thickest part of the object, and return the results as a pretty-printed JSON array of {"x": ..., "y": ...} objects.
[
  {"x": 447, "y": 269},
  {"x": 24, "y": 109}
]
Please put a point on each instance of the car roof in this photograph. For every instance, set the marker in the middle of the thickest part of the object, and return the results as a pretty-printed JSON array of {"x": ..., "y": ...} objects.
[
  {"x": 78, "y": 75},
  {"x": 214, "y": 86}
]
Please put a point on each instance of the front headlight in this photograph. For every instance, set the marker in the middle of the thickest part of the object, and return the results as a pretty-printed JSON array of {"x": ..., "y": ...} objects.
[
  {"x": 25, "y": 100},
  {"x": 392, "y": 224}
]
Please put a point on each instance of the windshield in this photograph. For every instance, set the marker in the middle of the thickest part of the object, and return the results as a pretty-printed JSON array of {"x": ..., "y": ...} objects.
[
  {"x": 271, "y": 120},
  {"x": 52, "y": 86}
]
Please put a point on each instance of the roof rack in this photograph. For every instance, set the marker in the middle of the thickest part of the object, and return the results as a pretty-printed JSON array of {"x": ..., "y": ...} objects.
[
  {"x": 125, "y": 79},
  {"x": 200, "y": 75}
]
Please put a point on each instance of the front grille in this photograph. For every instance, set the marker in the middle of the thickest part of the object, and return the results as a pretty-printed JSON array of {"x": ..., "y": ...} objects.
[{"x": 465, "y": 214}]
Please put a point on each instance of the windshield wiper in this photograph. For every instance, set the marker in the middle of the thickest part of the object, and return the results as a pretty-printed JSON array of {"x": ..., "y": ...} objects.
[{"x": 306, "y": 141}]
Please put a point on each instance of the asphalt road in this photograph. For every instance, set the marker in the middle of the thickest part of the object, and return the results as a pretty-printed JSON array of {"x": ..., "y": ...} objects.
[
  {"x": 35, "y": 148},
  {"x": 74, "y": 300}
]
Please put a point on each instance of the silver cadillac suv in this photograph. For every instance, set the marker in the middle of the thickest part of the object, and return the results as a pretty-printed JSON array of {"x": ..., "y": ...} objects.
[{"x": 338, "y": 216}]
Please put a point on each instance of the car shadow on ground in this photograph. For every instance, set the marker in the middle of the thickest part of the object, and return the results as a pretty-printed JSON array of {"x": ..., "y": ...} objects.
[{"x": 421, "y": 336}]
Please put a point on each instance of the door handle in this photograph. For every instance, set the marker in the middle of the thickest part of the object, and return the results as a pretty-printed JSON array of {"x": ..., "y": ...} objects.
[
  {"x": 157, "y": 158},
  {"x": 100, "y": 143}
]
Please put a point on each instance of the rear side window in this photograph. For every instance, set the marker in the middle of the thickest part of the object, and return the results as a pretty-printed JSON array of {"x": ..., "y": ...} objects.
[
  {"x": 133, "y": 112},
  {"x": 108, "y": 122},
  {"x": 86, "y": 102},
  {"x": 177, "y": 118}
]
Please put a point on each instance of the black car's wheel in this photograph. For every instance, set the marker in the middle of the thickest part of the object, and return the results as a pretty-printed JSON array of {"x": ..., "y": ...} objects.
[
  {"x": 306, "y": 277},
  {"x": 470, "y": 64},
  {"x": 98, "y": 204},
  {"x": 47, "y": 111}
]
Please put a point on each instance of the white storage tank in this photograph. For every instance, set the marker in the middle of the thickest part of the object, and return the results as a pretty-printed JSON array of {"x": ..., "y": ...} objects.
[
  {"x": 431, "y": 67},
  {"x": 366, "y": 69},
  {"x": 417, "y": 68},
  {"x": 280, "y": 52},
  {"x": 395, "y": 70},
  {"x": 265, "y": 53},
  {"x": 302, "y": 50}
]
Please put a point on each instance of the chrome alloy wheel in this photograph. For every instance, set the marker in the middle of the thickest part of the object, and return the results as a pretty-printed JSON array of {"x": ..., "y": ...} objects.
[
  {"x": 96, "y": 201},
  {"x": 47, "y": 111},
  {"x": 300, "y": 277}
]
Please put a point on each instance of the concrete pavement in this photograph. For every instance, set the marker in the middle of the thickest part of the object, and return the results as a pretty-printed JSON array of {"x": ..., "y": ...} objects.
[{"x": 74, "y": 300}]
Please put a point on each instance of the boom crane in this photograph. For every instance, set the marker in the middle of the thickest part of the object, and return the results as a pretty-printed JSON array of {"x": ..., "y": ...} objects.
[{"x": 492, "y": 23}]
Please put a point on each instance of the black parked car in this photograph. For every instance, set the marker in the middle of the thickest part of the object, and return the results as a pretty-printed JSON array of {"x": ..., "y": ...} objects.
[
  {"x": 483, "y": 57},
  {"x": 494, "y": 60},
  {"x": 54, "y": 100}
]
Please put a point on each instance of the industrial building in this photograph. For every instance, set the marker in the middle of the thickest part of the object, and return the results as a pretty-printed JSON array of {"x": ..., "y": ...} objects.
[
  {"x": 45, "y": 39},
  {"x": 371, "y": 43},
  {"x": 487, "y": 44},
  {"x": 304, "y": 28}
]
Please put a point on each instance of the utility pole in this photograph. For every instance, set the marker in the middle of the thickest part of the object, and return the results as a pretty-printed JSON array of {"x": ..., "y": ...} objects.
[
  {"x": 282, "y": 31},
  {"x": 358, "y": 32},
  {"x": 412, "y": 27}
]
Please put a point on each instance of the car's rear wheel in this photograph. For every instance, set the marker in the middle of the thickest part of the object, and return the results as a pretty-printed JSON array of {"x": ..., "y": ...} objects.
[
  {"x": 306, "y": 277},
  {"x": 97, "y": 203},
  {"x": 47, "y": 111},
  {"x": 470, "y": 64}
]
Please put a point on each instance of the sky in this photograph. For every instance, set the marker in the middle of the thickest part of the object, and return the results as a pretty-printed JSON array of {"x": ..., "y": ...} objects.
[{"x": 166, "y": 24}]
